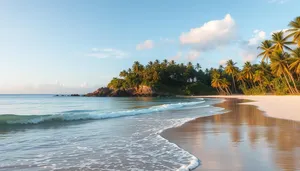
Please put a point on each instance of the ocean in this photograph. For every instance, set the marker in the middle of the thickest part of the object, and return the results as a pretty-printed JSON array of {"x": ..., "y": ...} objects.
[{"x": 44, "y": 132}]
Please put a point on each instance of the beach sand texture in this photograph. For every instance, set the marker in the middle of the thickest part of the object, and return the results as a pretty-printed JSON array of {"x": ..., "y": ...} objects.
[
  {"x": 243, "y": 139},
  {"x": 283, "y": 107}
]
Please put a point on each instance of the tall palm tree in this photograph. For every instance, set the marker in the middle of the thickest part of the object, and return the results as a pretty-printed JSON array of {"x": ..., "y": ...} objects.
[
  {"x": 267, "y": 49},
  {"x": 279, "y": 67},
  {"x": 258, "y": 77},
  {"x": 240, "y": 77},
  {"x": 280, "y": 42},
  {"x": 248, "y": 72},
  {"x": 295, "y": 30},
  {"x": 295, "y": 61},
  {"x": 232, "y": 70}
]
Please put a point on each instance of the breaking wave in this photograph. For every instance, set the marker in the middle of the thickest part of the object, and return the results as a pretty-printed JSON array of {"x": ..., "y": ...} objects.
[{"x": 76, "y": 115}]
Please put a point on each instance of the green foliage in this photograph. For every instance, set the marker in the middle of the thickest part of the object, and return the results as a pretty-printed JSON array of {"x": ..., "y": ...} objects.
[
  {"x": 256, "y": 90},
  {"x": 199, "y": 89},
  {"x": 278, "y": 73},
  {"x": 117, "y": 83},
  {"x": 166, "y": 77},
  {"x": 280, "y": 87}
]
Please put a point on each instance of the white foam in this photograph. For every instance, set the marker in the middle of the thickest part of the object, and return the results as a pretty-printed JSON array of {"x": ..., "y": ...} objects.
[{"x": 95, "y": 116}]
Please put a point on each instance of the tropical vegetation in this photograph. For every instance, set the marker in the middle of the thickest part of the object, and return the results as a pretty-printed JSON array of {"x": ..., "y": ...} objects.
[{"x": 277, "y": 73}]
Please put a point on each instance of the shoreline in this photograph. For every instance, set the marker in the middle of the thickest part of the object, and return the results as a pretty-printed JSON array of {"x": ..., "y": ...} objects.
[
  {"x": 281, "y": 107},
  {"x": 190, "y": 135}
]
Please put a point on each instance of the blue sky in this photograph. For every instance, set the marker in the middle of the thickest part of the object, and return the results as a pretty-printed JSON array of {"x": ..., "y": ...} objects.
[{"x": 74, "y": 46}]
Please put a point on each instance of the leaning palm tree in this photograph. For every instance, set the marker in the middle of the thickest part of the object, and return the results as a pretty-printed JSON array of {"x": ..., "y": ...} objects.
[
  {"x": 280, "y": 42},
  {"x": 279, "y": 67},
  {"x": 225, "y": 85},
  {"x": 295, "y": 61},
  {"x": 295, "y": 30},
  {"x": 267, "y": 48},
  {"x": 232, "y": 70},
  {"x": 216, "y": 83}
]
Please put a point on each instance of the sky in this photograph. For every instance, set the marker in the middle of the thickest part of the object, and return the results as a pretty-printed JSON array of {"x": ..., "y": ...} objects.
[{"x": 76, "y": 46}]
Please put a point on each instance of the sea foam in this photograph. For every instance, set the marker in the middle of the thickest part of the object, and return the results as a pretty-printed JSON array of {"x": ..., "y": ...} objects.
[{"x": 70, "y": 116}]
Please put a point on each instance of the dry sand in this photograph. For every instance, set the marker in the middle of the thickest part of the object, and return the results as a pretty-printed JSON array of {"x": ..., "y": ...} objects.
[{"x": 283, "y": 107}]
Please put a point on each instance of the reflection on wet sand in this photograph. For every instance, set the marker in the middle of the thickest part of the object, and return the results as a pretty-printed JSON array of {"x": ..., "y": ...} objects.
[{"x": 242, "y": 139}]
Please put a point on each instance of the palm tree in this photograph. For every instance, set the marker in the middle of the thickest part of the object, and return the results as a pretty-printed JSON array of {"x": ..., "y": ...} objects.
[
  {"x": 279, "y": 67},
  {"x": 198, "y": 67},
  {"x": 172, "y": 62},
  {"x": 295, "y": 61},
  {"x": 232, "y": 70},
  {"x": 247, "y": 71},
  {"x": 123, "y": 73},
  {"x": 240, "y": 77},
  {"x": 258, "y": 77},
  {"x": 295, "y": 30},
  {"x": 267, "y": 49},
  {"x": 225, "y": 84},
  {"x": 280, "y": 42}
]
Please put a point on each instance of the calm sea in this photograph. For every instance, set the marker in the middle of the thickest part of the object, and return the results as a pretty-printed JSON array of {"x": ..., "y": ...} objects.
[{"x": 43, "y": 132}]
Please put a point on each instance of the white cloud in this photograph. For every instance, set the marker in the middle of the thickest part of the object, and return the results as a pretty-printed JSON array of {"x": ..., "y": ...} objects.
[
  {"x": 177, "y": 56},
  {"x": 249, "y": 49},
  {"x": 258, "y": 37},
  {"x": 278, "y": 1},
  {"x": 283, "y": 30},
  {"x": 211, "y": 35},
  {"x": 192, "y": 55},
  {"x": 147, "y": 44},
  {"x": 107, "y": 53}
]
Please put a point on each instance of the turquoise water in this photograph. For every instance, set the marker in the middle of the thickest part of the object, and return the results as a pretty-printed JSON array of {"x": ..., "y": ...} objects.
[{"x": 43, "y": 132}]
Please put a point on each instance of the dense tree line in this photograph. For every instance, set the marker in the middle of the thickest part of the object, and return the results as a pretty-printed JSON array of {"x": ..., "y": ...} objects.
[
  {"x": 165, "y": 76},
  {"x": 277, "y": 73}
]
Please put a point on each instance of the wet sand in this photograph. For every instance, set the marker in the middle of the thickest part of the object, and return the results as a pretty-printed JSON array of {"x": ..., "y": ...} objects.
[{"x": 243, "y": 139}]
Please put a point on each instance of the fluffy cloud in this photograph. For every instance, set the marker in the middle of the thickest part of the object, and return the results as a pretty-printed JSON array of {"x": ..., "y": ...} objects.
[
  {"x": 249, "y": 49},
  {"x": 147, "y": 44},
  {"x": 257, "y": 37},
  {"x": 192, "y": 55},
  {"x": 211, "y": 35},
  {"x": 107, "y": 53}
]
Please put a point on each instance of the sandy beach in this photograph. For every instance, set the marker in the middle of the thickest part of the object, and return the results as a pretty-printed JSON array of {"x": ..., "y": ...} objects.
[
  {"x": 283, "y": 107},
  {"x": 244, "y": 138}
]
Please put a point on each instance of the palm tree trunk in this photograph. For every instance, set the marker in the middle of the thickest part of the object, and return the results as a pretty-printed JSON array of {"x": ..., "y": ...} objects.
[
  {"x": 287, "y": 81},
  {"x": 292, "y": 78},
  {"x": 227, "y": 92},
  {"x": 233, "y": 83},
  {"x": 260, "y": 85},
  {"x": 230, "y": 92}
]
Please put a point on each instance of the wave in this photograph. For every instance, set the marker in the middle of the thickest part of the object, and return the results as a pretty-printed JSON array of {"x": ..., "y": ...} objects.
[{"x": 88, "y": 115}]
